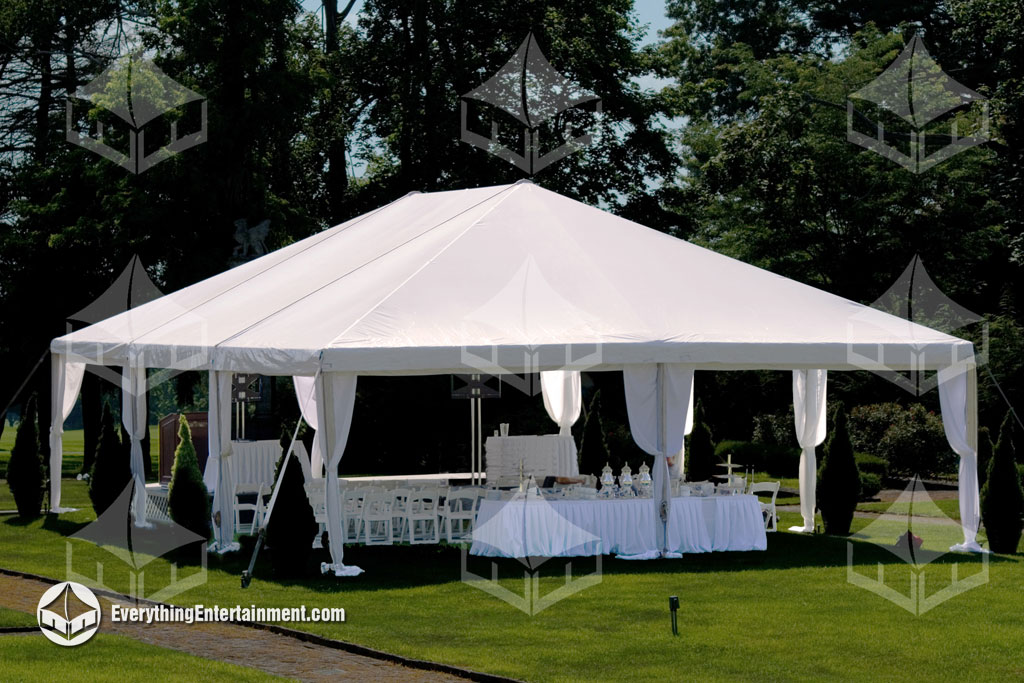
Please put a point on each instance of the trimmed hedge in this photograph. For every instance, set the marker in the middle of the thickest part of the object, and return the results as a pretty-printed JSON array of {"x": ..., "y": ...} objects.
[
  {"x": 838, "y": 479},
  {"x": 872, "y": 464},
  {"x": 593, "y": 448},
  {"x": 292, "y": 526},
  {"x": 1002, "y": 500},
  {"x": 870, "y": 485},
  {"x": 187, "y": 497},
  {"x": 700, "y": 460},
  {"x": 25, "y": 475},
  {"x": 111, "y": 470}
]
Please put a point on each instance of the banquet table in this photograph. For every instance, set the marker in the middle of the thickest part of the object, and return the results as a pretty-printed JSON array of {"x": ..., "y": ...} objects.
[
  {"x": 252, "y": 462},
  {"x": 565, "y": 528},
  {"x": 541, "y": 456}
]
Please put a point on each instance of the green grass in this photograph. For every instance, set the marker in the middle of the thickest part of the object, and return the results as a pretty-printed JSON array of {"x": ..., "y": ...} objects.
[
  {"x": 74, "y": 448},
  {"x": 110, "y": 658},
  {"x": 949, "y": 508},
  {"x": 787, "y": 613},
  {"x": 10, "y": 617}
]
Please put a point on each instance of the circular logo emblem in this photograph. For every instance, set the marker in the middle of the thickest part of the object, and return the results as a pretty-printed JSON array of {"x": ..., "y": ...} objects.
[{"x": 68, "y": 614}]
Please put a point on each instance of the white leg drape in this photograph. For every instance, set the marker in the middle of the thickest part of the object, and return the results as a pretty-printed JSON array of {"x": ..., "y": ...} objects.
[
  {"x": 306, "y": 396},
  {"x": 133, "y": 411},
  {"x": 658, "y": 398},
  {"x": 218, "y": 435},
  {"x": 335, "y": 399},
  {"x": 65, "y": 383},
  {"x": 675, "y": 469},
  {"x": 563, "y": 397},
  {"x": 958, "y": 399},
  {"x": 809, "y": 411}
]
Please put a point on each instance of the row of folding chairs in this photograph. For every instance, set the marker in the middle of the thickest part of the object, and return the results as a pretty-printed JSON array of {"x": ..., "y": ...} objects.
[{"x": 373, "y": 515}]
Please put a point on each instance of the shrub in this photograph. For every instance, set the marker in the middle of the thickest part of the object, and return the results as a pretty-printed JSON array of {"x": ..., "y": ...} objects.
[
  {"x": 838, "y": 479},
  {"x": 111, "y": 471},
  {"x": 915, "y": 443},
  {"x": 1002, "y": 501},
  {"x": 187, "y": 497},
  {"x": 291, "y": 527},
  {"x": 777, "y": 460},
  {"x": 869, "y": 423},
  {"x": 593, "y": 448},
  {"x": 774, "y": 430},
  {"x": 871, "y": 464},
  {"x": 25, "y": 469},
  {"x": 700, "y": 453},
  {"x": 870, "y": 485}
]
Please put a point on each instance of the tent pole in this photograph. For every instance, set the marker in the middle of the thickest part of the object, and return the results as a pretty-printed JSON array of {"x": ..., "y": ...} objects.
[
  {"x": 472, "y": 441},
  {"x": 479, "y": 441}
]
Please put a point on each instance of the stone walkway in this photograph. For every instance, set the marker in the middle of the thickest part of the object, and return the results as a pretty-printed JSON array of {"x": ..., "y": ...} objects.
[{"x": 271, "y": 652}]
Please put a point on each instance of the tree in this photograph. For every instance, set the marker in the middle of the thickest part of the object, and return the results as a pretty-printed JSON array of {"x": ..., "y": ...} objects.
[
  {"x": 594, "y": 452},
  {"x": 111, "y": 470},
  {"x": 700, "y": 455},
  {"x": 984, "y": 454},
  {"x": 25, "y": 469},
  {"x": 187, "y": 497},
  {"x": 292, "y": 526},
  {"x": 838, "y": 478},
  {"x": 1002, "y": 501}
]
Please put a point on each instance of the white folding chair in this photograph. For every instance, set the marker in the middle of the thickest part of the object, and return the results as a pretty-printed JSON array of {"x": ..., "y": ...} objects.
[
  {"x": 377, "y": 518},
  {"x": 771, "y": 519},
  {"x": 420, "y": 519},
  {"x": 459, "y": 514},
  {"x": 399, "y": 507},
  {"x": 352, "y": 513},
  {"x": 247, "y": 500},
  {"x": 316, "y": 492}
]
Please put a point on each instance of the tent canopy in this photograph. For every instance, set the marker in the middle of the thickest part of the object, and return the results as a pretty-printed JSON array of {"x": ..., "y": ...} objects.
[{"x": 502, "y": 279}]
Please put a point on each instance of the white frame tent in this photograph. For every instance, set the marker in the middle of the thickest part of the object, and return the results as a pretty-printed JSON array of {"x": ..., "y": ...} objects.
[{"x": 510, "y": 279}]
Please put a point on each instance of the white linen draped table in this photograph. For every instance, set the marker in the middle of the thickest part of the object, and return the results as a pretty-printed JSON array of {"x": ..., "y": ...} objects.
[
  {"x": 566, "y": 528},
  {"x": 252, "y": 462},
  {"x": 542, "y": 456}
]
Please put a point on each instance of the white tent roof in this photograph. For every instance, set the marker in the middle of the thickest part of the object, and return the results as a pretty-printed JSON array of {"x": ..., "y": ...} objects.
[{"x": 502, "y": 279}]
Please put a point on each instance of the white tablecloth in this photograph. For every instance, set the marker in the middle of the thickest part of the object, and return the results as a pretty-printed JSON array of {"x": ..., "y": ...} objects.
[
  {"x": 252, "y": 462},
  {"x": 542, "y": 456},
  {"x": 567, "y": 528}
]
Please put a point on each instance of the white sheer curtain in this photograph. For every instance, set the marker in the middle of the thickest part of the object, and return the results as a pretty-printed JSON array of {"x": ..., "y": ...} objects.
[
  {"x": 133, "y": 416},
  {"x": 306, "y": 396},
  {"x": 218, "y": 435},
  {"x": 335, "y": 398},
  {"x": 563, "y": 397},
  {"x": 658, "y": 398},
  {"x": 65, "y": 383},
  {"x": 809, "y": 411},
  {"x": 675, "y": 468},
  {"x": 958, "y": 400}
]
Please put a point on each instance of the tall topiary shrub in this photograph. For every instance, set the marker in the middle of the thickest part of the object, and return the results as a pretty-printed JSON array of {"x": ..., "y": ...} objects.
[
  {"x": 111, "y": 471},
  {"x": 838, "y": 478},
  {"x": 25, "y": 470},
  {"x": 594, "y": 448},
  {"x": 187, "y": 499},
  {"x": 984, "y": 454},
  {"x": 699, "y": 456},
  {"x": 291, "y": 527},
  {"x": 1002, "y": 501}
]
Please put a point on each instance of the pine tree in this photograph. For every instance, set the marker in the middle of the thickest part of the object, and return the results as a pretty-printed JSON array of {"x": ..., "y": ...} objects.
[
  {"x": 187, "y": 497},
  {"x": 984, "y": 454},
  {"x": 25, "y": 469},
  {"x": 291, "y": 527},
  {"x": 699, "y": 456},
  {"x": 111, "y": 471},
  {"x": 1002, "y": 501},
  {"x": 594, "y": 447},
  {"x": 838, "y": 478}
]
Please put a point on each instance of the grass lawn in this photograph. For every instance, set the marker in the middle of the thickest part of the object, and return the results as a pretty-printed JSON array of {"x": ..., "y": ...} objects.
[
  {"x": 10, "y": 617},
  {"x": 111, "y": 658},
  {"x": 949, "y": 508},
  {"x": 787, "y": 613},
  {"x": 74, "y": 448}
]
